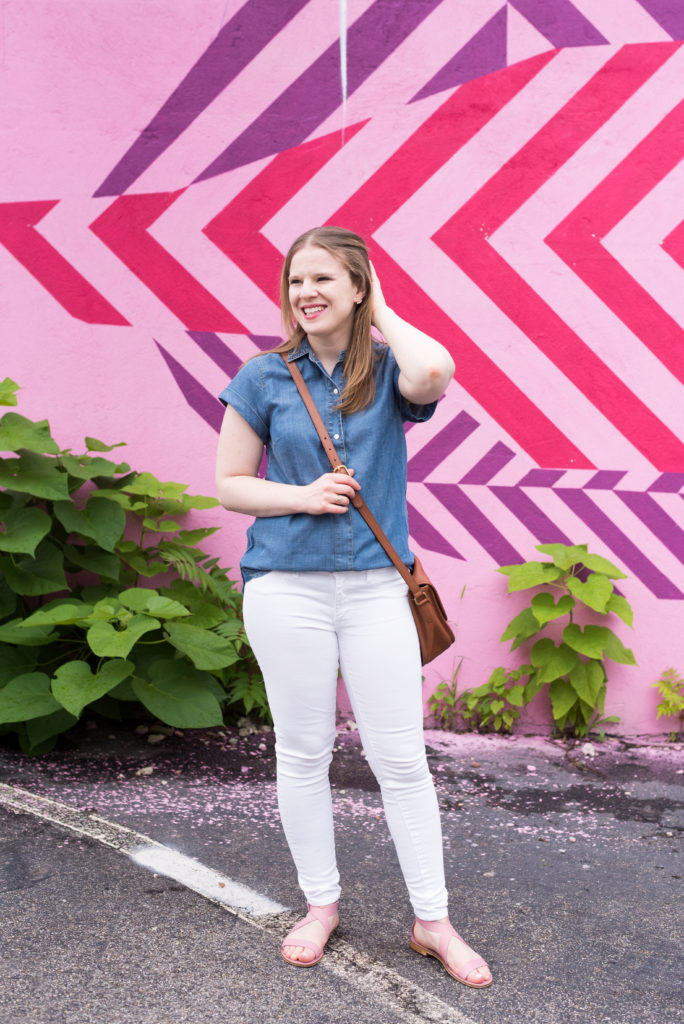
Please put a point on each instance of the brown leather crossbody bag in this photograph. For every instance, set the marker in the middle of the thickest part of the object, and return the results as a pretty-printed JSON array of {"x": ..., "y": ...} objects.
[{"x": 434, "y": 632}]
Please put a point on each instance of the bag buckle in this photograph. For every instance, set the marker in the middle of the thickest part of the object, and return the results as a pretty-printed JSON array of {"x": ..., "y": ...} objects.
[{"x": 341, "y": 469}]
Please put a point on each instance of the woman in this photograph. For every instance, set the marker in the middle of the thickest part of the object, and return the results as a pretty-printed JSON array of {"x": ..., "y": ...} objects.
[{"x": 319, "y": 591}]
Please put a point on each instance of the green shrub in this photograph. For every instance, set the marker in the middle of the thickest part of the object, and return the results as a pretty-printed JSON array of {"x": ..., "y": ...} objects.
[
  {"x": 670, "y": 686},
  {"x": 574, "y": 670},
  {"x": 106, "y": 602}
]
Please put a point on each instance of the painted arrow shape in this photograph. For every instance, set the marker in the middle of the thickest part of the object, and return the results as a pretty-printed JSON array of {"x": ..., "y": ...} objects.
[
  {"x": 451, "y": 126},
  {"x": 578, "y": 239},
  {"x": 73, "y": 292},
  {"x": 464, "y": 238},
  {"x": 123, "y": 227}
]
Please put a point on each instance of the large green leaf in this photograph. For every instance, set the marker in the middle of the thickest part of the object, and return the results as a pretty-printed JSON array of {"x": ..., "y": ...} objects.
[
  {"x": 529, "y": 574},
  {"x": 523, "y": 626},
  {"x": 597, "y": 642},
  {"x": 595, "y": 593},
  {"x": 14, "y": 632},
  {"x": 38, "y": 730},
  {"x": 108, "y": 642},
  {"x": 93, "y": 445},
  {"x": 8, "y": 389},
  {"x": 587, "y": 678},
  {"x": 61, "y": 611},
  {"x": 15, "y": 661},
  {"x": 545, "y": 609},
  {"x": 38, "y": 475},
  {"x": 621, "y": 606},
  {"x": 140, "y": 599},
  {"x": 8, "y": 601},
  {"x": 564, "y": 555},
  {"x": 86, "y": 467},
  {"x": 563, "y": 697},
  {"x": 551, "y": 661},
  {"x": 176, "y": 694},
  {"x": 100, "y": 520},
  {"x": 95, "y": 560},
  {"x": 16, "y": 433},
  {"x": 27, "y": 696},
  {"x": 147, "y": 484},
  {"x": 205, "y": 649},
  {"x": 74, "y": 685},
  {"x": 599, "y": 564},
  {"x": 23, "y": 529},
  {"x": 43, "y": 574}
]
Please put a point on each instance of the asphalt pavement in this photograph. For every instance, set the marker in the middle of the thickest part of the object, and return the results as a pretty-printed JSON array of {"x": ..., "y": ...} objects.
[{"x": 564, "y": 870}]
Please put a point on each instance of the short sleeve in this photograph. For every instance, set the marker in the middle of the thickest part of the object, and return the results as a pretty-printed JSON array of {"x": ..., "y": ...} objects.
[
  {"x": 409, "y": 410},
  {"x": 246, "y": 394}
]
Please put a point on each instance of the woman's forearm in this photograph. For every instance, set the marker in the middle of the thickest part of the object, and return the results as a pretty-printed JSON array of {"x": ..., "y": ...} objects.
[
  {"x": 426, "y": 365},
  {"x": 255, "y": 497}
]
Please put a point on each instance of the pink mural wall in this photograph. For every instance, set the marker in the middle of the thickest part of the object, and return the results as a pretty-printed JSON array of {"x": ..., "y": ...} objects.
[{"x": 517, "y": 169}]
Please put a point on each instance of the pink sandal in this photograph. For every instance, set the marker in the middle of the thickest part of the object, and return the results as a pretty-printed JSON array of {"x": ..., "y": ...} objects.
[
  {"x": 320, "y": 914},
  {"x": 446, "y": 930}
]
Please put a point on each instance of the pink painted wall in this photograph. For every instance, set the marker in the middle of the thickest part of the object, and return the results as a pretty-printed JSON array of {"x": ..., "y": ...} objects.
[{"x": 517, "y": 169}]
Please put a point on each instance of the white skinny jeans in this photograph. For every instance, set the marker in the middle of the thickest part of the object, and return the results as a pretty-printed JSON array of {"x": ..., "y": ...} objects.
[{"x": 301, "y": 627}]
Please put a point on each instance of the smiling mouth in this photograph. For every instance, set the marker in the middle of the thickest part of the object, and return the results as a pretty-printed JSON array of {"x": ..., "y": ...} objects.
[{"x": 312, "y": 310}]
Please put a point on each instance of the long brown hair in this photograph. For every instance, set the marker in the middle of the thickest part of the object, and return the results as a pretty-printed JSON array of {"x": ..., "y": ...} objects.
[{"x": 351, "y": 251}]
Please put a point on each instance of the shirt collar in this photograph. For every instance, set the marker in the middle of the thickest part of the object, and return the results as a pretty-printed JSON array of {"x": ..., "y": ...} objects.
[{"x": 305, "y": 349}]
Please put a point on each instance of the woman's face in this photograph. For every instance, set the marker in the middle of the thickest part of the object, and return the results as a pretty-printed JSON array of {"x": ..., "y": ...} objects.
[{"x": 322, "y": 295}]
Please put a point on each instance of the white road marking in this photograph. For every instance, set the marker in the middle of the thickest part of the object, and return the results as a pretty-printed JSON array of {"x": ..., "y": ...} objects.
[{"x": 405, "y": 1001}]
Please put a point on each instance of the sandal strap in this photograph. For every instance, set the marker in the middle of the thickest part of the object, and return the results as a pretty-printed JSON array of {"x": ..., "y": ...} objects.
[
  {"x": 320, "y": 914},
  {"x": 445, "y": 930},
  {"x": 469, "y": 966}
]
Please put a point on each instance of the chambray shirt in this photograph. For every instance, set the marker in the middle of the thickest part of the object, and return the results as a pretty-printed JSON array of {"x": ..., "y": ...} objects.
[{"x": 372, "y": 442}]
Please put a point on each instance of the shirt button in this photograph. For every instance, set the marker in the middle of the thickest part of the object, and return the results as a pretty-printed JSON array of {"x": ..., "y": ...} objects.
[
  {"x": 335, "y": 391},
  {"x": 336, "y": 437}
]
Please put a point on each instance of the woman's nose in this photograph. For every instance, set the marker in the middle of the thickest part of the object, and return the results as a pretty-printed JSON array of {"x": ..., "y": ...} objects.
[{"x": 308, "y": 287}]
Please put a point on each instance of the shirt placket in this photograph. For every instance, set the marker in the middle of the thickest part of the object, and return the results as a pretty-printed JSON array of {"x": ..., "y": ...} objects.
[{"x": 344, "y": 535}]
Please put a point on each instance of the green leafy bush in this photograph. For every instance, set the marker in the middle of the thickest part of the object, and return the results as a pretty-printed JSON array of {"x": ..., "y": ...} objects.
[
  {"x": 670, "y": 686},
  {"x": 106, "y": 602},
  {"x": 574, "y": 670}
]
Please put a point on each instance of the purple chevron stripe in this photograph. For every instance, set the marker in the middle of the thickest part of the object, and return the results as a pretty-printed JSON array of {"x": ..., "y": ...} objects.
[
  {"x": 427, "y": 536},
  {"x": 560, "y": 22},
  {"x": 668, "y": 483},
  {"x": 668, "y": 13},
  {"x": 530, "y": 515},
  {"x": 605, "y": 480},
  {"x": 489, "y": 465},
  {"x": 485, "y": 52},
  {"x": 541, "y": 478},
  {"x": 441, "y": 445},
  {"x": 265, "y": 341},
  {"x": 312, "y": 97},
  {"x": 217, "y": 350},
  {"x": 238, "y": 43},
  {"x": 656, "y": 519},
  {"x": 475, "y": 522},
  {"x": 197, "y": 397},
  {"x": 597, "y": 521}
]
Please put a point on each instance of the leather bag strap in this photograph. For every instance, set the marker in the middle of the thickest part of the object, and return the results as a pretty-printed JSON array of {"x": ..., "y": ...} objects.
[{"x": 339, "y": 467}]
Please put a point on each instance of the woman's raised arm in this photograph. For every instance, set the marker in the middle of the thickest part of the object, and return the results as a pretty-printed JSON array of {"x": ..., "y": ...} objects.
[{"x": 426, "y": 366}]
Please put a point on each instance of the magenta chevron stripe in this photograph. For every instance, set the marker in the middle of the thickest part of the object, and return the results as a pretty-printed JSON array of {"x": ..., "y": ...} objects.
[{"x": 668, "y": 13}]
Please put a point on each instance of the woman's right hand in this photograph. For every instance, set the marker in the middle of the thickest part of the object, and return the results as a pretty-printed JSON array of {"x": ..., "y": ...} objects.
[{"x": 331, "y": 492}]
